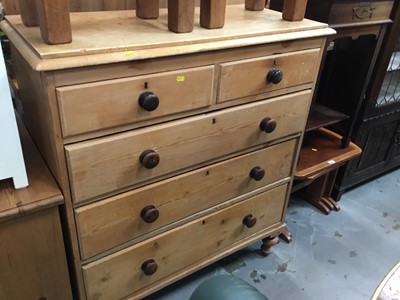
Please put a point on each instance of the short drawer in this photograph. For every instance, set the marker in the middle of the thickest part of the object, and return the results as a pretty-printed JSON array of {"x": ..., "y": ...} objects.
[
  {"x": 109, "y": 223},
  {"x": 345, "y": 12},
  {"x": 100, "y": 105},
  {"x": 249, "y": 77},
  {"x": 108, "y": 164},
  {"x": 120, "y": 274}
]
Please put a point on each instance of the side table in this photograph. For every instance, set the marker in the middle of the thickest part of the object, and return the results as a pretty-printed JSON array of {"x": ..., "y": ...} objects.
[
  {"x": 321, "y": 155},
  {"x": 32, "y": 255}
]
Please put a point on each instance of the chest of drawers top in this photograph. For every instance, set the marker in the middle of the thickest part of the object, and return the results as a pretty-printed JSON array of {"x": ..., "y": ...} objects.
[{"x": 110, "y": 37}]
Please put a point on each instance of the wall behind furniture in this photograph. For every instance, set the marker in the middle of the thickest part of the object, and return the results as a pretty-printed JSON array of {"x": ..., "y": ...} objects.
[{"x": 11, "y": 6}]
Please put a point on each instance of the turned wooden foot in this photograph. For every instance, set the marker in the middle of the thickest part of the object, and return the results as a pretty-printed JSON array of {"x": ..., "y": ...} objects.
[{"x": 268, "y": 243}]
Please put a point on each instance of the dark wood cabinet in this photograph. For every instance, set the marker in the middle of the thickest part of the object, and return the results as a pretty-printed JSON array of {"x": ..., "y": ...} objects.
[
  {"x": 377, "y": 126},
  {"x": 360, "y": 78}
]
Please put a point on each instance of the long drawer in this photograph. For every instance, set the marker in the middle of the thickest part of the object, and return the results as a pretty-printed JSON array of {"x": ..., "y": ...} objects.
[
  {"x": 121, "y": 274},
  {"x": 100, "y": 105},
  {"x": 255, "y": 76},
  {"x": 108, "y": 164},
  {"x": 347, "y": 12},
  {"x": 109, "y": 223}
]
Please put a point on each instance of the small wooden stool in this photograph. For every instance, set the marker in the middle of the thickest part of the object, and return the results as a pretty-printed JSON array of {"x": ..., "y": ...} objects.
[{"x": 321, "y": 155}]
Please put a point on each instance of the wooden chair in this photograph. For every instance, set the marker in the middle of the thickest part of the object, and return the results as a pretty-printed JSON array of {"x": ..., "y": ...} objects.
[{"x": 55, "y": 26}]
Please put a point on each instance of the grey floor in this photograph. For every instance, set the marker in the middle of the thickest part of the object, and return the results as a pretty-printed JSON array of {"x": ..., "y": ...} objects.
[{"x": 340, "y": 256}]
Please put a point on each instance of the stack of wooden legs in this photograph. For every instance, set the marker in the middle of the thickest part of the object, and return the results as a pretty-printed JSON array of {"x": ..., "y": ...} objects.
[{"x": 53, "y": 15}]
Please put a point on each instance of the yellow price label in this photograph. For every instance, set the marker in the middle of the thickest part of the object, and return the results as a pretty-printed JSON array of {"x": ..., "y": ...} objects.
[
  {"x": 180, "y": 78},
  {"x": 128, "y": 53}
]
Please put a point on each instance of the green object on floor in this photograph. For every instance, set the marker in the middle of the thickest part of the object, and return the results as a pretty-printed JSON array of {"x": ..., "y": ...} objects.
[{"x": 226, "y": 287}]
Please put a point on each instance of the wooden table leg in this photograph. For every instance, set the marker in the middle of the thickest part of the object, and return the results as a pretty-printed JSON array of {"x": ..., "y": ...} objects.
[
  {"x": 212, "y": 13},
  {"x": 319, "y": 191},
  {"x": 147, "y": 9},
  {"x": 330, "y": 182},
  {"x": 254, "y": 4},
  {"x": 294, "y": 10},
  {"x": 28, "y": 11},
  {"x": 54, "y": 21},
  {"x": 314, "y": 192},
  {"x": 181, "y": 15}
]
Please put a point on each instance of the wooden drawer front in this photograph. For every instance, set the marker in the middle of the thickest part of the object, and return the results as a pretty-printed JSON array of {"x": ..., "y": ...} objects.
[
  {"x": 107, "y": 164},
  {"x": 249, "y": 77},
  {"x": 360, "y": 11},
  {"x": 119, "y": 275},
  {"x": 109, "y": 223},
  {"x": 100, "y": 105}
]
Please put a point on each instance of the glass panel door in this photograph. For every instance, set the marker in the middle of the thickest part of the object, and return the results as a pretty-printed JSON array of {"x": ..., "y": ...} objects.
[{"x": 390, "y": 90}]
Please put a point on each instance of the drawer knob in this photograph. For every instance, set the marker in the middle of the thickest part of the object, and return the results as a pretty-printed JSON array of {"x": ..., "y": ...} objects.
[
  {"x": 149, "y": 101},
  {"x": 150, "y": 214},
  {"x": 149, "y": 267},
  {"x": 257, "y": 173},
  {"x": 249, "y": 221},
  {"x": 268, "y": 125},
  {"x": 275, "y": 76},
  {"x": 149, "y": 159}
]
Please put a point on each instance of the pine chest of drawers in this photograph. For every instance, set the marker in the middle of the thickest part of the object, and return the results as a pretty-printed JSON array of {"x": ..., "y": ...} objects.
[{"x": 172, "y": 151}]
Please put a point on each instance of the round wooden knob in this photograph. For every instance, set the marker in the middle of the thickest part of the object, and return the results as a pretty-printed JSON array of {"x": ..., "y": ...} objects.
[
  {"x": 257, "y": 173},
  {"x": 249, "y": 221},
  {"x": 149, "y": 267},
  {"x": 149, "y": 159},
  {"x": 274, "y": 76},
  {"x": 148, "y": 101},
  {"x": 268, "y": 125},
  {"x": 149, "y": 214}
]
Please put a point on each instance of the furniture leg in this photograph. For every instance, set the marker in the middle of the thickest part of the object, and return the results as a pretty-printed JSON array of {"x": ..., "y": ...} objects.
[
  {"x": 212, "y": 13},
  {"x": 314, "y": 192},
  {"x": 181, "y": 15},
  {"x": 54, "y": 21},
  {"x": 254, "y": 4},
  {"x": 268, "y": 243},
  {"x": 294, "y": 10},
  {"x": 328, "y": 189},
  {"x": 147, "y": 9},
  {"x": 28, "y": 11},
  {"x": 286, "y": 235},
  {"x": 319, "y": 191}
]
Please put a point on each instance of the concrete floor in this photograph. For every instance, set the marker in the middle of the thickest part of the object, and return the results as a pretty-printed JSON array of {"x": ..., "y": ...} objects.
[{"x": 340, "y": 256}]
